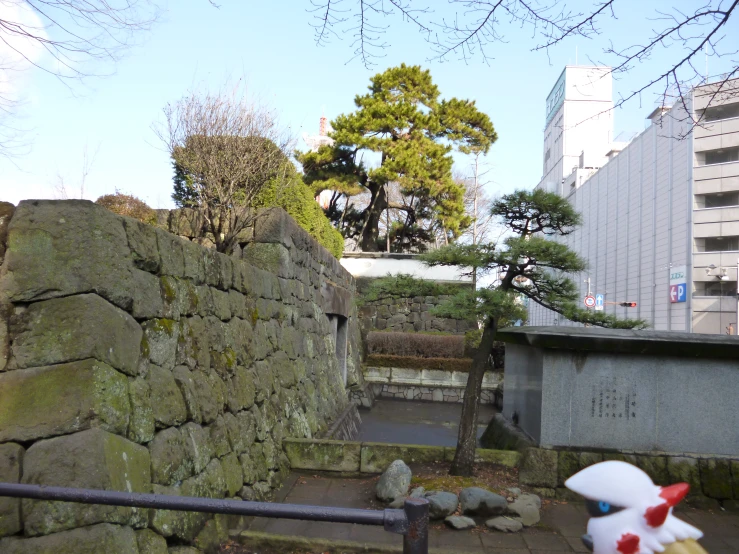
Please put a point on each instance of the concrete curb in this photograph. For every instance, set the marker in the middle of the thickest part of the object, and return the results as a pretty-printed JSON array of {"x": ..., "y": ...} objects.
[{"x": 288, "y": 543}]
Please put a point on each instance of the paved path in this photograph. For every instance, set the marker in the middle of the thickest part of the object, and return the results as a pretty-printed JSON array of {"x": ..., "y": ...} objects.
[
  {"x": 410, "y": 422},
  {"x": 559, "y": 530}
]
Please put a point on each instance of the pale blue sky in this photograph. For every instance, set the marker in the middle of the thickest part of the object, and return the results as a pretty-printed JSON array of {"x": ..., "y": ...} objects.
[{"x": 272, "y": 45}]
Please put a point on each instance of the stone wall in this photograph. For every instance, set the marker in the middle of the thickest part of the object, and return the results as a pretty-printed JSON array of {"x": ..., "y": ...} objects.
[
  {"x": 410, "y": 315},
  {"x": 134, "y": 360},
  {"x": 713, "y": 482}
]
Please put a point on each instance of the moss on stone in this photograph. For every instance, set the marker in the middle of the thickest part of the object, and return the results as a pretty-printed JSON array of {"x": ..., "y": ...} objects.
[
  {"x": 325, "y": 455},
  {"x": 169, "y": 288},
  {"x": 376, "y": 457},
  {"x": 716, "y": 478}
]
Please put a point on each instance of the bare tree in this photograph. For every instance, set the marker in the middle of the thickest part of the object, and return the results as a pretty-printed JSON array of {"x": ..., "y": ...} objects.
[
  {"x": 60, "y": 183},
  {"x": 470, "y": 29},
  {"x": 226, "y": 147}
]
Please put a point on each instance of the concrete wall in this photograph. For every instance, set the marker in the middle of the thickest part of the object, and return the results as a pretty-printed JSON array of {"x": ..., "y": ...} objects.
[
  {"x": 633, "y": 391},
  {"x": 135, "y": 360}
]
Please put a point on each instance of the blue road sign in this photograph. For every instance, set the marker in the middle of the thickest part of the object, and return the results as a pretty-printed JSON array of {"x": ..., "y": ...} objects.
[{"x": 598, "y": 299}]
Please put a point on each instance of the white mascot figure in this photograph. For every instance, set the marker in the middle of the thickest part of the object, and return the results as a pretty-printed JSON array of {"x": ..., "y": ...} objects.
[{"x": 630, "y": 514}]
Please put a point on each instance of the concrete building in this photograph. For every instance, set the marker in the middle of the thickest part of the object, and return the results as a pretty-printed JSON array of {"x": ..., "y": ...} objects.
[{"x": 660, "y": 212}]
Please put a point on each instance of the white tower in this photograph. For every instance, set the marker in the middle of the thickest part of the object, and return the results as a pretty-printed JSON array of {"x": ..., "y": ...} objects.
[{"x": 578, "y": 127}]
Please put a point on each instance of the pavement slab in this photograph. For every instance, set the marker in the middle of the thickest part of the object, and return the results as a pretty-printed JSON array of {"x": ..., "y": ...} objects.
[{"x": 559, "y": 530}]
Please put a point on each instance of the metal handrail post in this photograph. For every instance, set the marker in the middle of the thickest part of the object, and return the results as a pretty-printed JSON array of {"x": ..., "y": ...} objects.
[{"x": 416, "y": 538}]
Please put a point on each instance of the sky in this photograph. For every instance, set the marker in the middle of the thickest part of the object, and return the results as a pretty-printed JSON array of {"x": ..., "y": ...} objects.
[{"x": 106, "y": 123}]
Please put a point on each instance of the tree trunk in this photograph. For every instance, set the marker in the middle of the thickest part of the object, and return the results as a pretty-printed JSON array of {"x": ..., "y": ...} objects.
[
  {"x": 371, "y": 230},
  {"x": 464, "y": 457}
]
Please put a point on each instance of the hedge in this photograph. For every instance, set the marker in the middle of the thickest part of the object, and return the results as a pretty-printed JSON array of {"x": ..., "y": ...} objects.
[{"x": 416, "y": 344}]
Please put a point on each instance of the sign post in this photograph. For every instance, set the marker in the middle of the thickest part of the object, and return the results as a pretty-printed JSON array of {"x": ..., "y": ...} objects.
[{"x": 678, "y": 284}]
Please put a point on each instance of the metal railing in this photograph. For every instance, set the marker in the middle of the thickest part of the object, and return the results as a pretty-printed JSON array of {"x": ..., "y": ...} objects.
[{"x": 412, "y": 521}]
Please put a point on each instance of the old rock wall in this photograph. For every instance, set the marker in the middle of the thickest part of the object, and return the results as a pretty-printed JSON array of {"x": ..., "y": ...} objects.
[
  {"x": 134, "y": 360},
  {"x": 411, "y": 314}
]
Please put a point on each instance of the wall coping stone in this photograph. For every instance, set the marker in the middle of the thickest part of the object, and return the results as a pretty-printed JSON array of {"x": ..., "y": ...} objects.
[{"x": 624, "y": 341}]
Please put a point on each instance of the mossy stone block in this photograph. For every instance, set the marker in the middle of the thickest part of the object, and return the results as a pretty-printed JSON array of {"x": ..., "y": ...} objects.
[
  {"x": 11, "y": 462},
  {"x": 170, "y": 460},
  {"x": 92, "y": 459},
  {"x": 589, "y": 458},
  {"x": 150, "y": 543},
  {"x": 198, "y": 445},
  {"x": 508, "y": 458},
  {"x": 538, "y": 468},
  {"x": 47, "y": 401},
  {"x": 76, "y": 328},
  {"x": 376, "y": 457},
  {"x": 141, "y": 423},
  {"x": 326, "y": 455},
  {"x": 568, "y": 464},
  {"x": 162, "y": 337},
  {"x": 232, "y": 473},
  {"x": 168, "y": 406},
  {"x": 735, "y": 477},
  {"x": 716, "y": 478},
  {"x": 86, "y": 540},
  {"x": 59, "y": 249},
  {"x": 684, "y": 470},
  {"x": 655, "y": 467}
]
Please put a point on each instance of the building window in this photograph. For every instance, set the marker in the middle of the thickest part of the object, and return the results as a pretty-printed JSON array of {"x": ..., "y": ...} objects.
[
  {"x": 717, "y": 113},
  {"x": 715, "y": 288},
  {"x": 720, "y": 156},
  {"x": 718, "y": 200},
  {"x": 720, "y": 244}
]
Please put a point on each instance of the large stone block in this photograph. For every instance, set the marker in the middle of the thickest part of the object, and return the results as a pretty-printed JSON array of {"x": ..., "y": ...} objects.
[
  {"x": 376, "y": 457},
  {"x": 684, "y": 470},
  {"x": 150, "y": 543},
  {"x": 325, "y": 455},
  {"x": 716, "y": 478},
  {"x": 75, "y": 328},
  {"x": 61, "y": 248},
  {"x": 60, "y": 399},
  {"x": 170, "y": 457},
  {"x": 538, "y": 468},
  {"x": 6, "y": 213},
  {"x": 161, "y": 336},
  {"x": 87, "y": 540},
  {"x": 92, "y": 459},
  {"x": 141, "y": 423},
  {"x": 11, "y": 461},
  {"x": 655, "y": 467},
  {"x": 168, "y": 405}
]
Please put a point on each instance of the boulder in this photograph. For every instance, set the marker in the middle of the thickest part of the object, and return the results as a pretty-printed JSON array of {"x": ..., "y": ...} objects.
[
  {"x": 481, "y": 502},
  {"x": 394, "y": 482},
  {"x": 418, "y": 492},
  {"x": 460, "y": 523},
  {"x": 526, "y": 508},
  {"x": 441, "y": 504},
  {"x": 505, "y": 524}
]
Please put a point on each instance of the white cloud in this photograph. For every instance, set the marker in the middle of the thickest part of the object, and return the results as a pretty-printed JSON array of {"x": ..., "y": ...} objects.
[{"x": 18, "y": 52}]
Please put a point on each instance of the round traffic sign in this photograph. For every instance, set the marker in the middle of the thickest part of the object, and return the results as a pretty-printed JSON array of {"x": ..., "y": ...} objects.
[{"x": 589, "y": 301}]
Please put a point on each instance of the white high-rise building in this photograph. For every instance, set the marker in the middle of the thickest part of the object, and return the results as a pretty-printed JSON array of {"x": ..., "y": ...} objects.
[
  {"x": 660, "y": 213},
  {"x": 579, "y": 118}
]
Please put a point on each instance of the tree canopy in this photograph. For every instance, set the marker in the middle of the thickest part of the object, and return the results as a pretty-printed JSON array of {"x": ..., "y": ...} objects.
[
  {"x": 528, "y": 263},
  {"x": 403, "y": 119}
]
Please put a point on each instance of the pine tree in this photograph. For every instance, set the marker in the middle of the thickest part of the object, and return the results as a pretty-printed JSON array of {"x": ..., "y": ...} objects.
[
  {"x": 403, "y": 119},
  {"x": 527, "y": 264}
]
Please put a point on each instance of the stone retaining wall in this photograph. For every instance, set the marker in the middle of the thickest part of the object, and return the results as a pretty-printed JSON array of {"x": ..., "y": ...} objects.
[
  {"x": 433, "y": 385},
  {"x": 409, "y": 315},
  {"x": 713, "y": 482},
  {"x": 133, "y": 360},
  {"x": 374, "y": 457}
]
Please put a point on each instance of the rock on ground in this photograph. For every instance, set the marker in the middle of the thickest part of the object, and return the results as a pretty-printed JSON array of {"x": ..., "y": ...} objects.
[
  {"x": 505, "y": 524},
  {"x": 526, "y": 507},
  {"x": 460, "y": 523},
  {"x": 441, "y": 504},
  {"x": 418, "y": 492},
  {"x": 481, "y": 502},
  {"x": 394, "y": 482}
]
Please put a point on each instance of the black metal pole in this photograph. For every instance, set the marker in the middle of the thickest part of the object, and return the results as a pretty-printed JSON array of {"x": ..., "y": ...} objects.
[
  {"x": 416, "y": 539},
  {"x": 391, "y": 519}
]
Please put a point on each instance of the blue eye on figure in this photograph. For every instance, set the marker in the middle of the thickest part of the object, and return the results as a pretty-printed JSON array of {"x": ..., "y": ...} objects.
[{"x": 600, "y": 508}]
